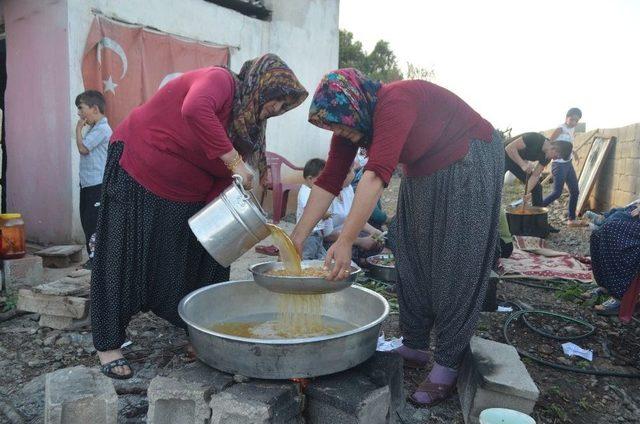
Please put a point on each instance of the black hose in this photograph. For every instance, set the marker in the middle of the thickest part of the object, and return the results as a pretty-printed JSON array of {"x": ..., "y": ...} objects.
[{"x": 522, "y": 312}]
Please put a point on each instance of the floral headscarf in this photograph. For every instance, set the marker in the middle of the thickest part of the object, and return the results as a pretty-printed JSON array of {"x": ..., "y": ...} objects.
[
  {"x": 260, "y": 80},
  {"x": 346, "y": 97}
]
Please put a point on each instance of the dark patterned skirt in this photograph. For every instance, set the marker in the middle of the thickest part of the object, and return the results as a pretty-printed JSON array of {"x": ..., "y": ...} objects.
[
  {"x": 146, "y": 258},
  {"x": 615, "y": 254}
]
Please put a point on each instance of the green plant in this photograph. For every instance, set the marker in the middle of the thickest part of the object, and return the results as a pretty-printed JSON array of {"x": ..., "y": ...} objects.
[
  {"x": 570, "y": 292},
  {"x": 9, "y": 303}
]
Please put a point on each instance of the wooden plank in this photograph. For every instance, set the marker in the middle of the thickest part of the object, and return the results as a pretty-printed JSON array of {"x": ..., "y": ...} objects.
[
  {"x": 591, "y": 169},
  {"x": 60, "y": 251},
  {"x": 65, "y": 306}
]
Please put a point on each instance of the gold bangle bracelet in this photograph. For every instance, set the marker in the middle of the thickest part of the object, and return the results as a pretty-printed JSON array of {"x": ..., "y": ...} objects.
[{"x": 231, "y": 165}]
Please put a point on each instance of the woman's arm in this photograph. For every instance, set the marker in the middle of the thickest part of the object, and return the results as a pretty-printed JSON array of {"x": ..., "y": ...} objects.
[
  {"x": 535, "y": 177},
  {"x": 367, "y": 194}
]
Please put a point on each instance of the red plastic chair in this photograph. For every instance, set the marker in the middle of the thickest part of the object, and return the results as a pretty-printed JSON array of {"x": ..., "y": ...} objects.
[
  {"x": 280, "y": 190},
  {"x": 629, "y": 300}
]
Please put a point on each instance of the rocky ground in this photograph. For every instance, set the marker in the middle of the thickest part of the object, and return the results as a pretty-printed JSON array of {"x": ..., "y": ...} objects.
[{"x": 28, "y": 352}]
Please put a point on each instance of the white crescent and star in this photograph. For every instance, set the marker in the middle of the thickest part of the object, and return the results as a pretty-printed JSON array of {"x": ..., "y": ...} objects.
[{"x": 109, "y": 43}]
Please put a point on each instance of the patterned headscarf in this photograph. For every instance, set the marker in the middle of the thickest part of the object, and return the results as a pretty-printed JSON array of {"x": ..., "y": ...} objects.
[
  {"x": 346, "y": 97},
  {"x": 260, "y": 80}
]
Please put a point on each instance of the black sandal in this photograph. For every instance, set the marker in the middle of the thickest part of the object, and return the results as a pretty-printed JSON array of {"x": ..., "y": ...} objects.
[{"x": 107, "y": 369}]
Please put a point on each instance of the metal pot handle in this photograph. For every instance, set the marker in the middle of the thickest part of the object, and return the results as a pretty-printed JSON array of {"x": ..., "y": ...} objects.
[{"x": 237, "y": 179}]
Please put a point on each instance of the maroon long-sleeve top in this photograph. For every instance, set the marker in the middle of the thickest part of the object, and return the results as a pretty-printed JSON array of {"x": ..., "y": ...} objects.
[
  {"x": 416, "y": 123},
  {"x": 174, "y": 141}
]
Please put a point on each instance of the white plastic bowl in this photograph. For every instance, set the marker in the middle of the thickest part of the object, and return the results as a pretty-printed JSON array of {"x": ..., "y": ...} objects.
[{"x": 504, "y": 416}]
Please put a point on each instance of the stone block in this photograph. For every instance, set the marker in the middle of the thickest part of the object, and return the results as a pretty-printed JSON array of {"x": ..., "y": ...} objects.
[
  {"x": 197, "y": 372},
  {"x": 386, "y": 369},
  {"x": 174, "y": 401},
  {"x": 27, "y": 270},
  {"x": 493, "y": 376},
  {"x": 64, "y": 323},
  {"x": 629, "y": 183},
  {"x": 66, "y": 286},
  {"x": 258, "y": 402},
  {"x": 64, "y": 306},
  {"x": 61, "y": 256},
  {"x": 79, "y": 395},
  {"x": 347, "y": 398}
]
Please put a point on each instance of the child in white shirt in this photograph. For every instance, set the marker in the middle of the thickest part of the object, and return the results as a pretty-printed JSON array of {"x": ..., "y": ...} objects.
[{"x": 313, "y": 247}]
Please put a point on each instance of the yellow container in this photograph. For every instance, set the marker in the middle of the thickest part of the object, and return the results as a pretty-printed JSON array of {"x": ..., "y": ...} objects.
[{"x": 13, "y": 244}]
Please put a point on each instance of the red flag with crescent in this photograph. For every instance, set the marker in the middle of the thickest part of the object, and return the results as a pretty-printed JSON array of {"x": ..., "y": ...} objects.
[{"x": 128, "y": 63}]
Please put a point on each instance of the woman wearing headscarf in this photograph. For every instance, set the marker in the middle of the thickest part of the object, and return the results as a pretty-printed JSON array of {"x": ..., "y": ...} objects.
[
  {"x": 166, "y": 160},
  {"x": 445, "y": 230}
]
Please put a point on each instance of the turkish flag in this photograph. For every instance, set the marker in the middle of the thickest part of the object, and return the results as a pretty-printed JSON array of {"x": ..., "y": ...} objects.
[{"x": 128, "y": 64}]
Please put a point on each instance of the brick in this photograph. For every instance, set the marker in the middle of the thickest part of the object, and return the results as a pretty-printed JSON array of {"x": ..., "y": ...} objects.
[
  {"x": 258, "y": 402},
  {"x": 197, "y": 372},
  {"x": 493, "y": 376},
  {"x": 65, "y": 306},
  {"x": 347, "y": 398},
  {"x": 174, "y": 401},
  {"x": 61, "y": 256},
  {"x": 79, "y": 395},
  {"x": 27, "y": 270},
  {"x": 386, "y": 369},
  {"x": 64, "y": 323}
]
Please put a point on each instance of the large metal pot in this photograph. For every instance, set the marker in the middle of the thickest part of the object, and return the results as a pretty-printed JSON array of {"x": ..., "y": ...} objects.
[
  {"x": 280, "y": 358},
  {"x": 231, "y": 224},
  {"x": 533, "y": 222}
]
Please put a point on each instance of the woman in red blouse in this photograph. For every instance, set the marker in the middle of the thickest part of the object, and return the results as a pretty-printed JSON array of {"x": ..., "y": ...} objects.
[
  {"x": 445, "y": 231},
  {"x": 166, "y": 160}
]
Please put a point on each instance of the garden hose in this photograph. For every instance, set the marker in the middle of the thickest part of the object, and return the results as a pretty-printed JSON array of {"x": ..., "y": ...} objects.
[{"x": 523, "y": 312}]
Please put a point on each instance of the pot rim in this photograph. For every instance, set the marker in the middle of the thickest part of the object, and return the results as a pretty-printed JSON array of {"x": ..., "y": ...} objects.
[
  {"x": 535, "y": 210},
  {"x": 276, "y": 342}
]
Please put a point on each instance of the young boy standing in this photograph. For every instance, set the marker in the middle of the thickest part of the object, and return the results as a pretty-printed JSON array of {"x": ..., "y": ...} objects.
[
  {"x": 562, "y": 170},
  {"x": 92, "y": 146},
  {"x": 313, "y": 247}
]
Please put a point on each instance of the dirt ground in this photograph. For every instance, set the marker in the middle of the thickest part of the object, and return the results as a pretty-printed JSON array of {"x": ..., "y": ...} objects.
[{"x": 28, "y": 352}]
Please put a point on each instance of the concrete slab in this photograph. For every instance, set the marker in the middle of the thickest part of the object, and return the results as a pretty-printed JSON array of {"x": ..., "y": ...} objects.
[
  {"x": 79, "y": 395},
  {"x": 281, "y": 400},
  {"x": 349, "y": 398},
  {"x": 64, "y": 306},
  {"x": 174, "y": 401},
  {"x": 492, "y": 375},
  {"x": 23, "y": 271}
]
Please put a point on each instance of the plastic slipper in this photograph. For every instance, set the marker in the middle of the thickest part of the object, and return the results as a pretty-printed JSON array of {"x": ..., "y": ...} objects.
[
  {"x": 107, "y": 369},
  {"x": 268, "y": 250},
  {"x": 590, "y": 294},
  {"x": 437, "y": 392}
]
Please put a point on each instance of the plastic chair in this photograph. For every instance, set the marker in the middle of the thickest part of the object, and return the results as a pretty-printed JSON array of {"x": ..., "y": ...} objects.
[
  {"x": 629, "y": 300},
  {"x": 280, "y": 190}
]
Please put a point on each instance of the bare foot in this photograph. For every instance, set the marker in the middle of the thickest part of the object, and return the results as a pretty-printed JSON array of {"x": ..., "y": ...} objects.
[
  {"x": 189, "y": 353},
  {"x": 111, "y": 355}
]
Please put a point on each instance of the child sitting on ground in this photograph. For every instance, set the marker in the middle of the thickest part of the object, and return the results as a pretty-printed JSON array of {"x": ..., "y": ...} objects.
[
  {"x": 313, "y": 247},
  {"x": 370, "y": 240}
]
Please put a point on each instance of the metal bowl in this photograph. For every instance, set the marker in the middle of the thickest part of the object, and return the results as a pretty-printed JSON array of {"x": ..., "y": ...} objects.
[
  {"x": 299, "y": 285},
  {"x": 280, "y": 358},
  {"x": 382, "y": 272}
]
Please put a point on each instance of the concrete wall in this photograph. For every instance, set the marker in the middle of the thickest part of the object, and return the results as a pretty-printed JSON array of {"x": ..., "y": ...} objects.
[
  {"x": 619, "y": 181},
  {"x": 40, "y": 175},
  {"x": 52, "y": 36}
]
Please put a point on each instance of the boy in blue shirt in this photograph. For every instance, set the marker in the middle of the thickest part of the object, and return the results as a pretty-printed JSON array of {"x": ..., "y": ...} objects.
[{"x": 92, "y": 143}]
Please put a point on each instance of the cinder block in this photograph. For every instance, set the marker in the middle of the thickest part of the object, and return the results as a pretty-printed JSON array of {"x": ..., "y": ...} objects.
[
  {"x": 64, "y": 323},
  {"x": 61, "y": 256},
  {"x": 386, "y": 369},
  {"x": 258, "y": 402},
  {"x": 27, "y": 270},
  {"x": 174, "y": 401},
  {"x": 79, "y": 395},
  {"x": 493, "y": 376},
  {"x": 347, "y": 398},
  {"x": 63, "y": 306}
]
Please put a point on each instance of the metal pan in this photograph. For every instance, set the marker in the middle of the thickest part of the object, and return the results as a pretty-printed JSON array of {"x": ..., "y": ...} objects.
[{"x": 299, "y": 285}]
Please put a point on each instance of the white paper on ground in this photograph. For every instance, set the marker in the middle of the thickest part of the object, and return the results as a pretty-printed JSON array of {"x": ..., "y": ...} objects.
[
  {"x": 505, "y": 309},
  {"x": 388, "y": 345},
  {"x": 125, "y": 344},
  {"x": 571, "y": 349}
]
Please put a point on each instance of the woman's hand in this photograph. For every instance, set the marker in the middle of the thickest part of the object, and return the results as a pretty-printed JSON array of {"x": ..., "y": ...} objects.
[
  {"x": 340, "y": 254},
  {"x": 298, "y": 241},
  {"x": 368, "y": 243},
  {"x": 246, "y": 174}
]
